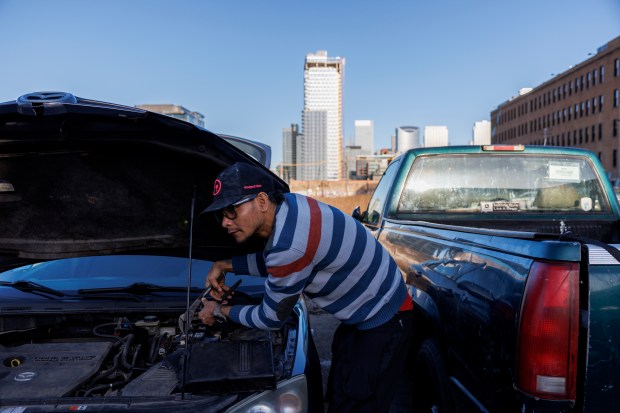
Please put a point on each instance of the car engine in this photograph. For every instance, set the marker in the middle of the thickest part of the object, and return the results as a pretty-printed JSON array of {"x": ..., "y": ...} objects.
[{"x": 94, "y": 355}]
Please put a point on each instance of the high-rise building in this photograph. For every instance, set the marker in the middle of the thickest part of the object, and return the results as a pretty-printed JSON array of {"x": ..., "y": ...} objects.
[
  {"x": 320, "y": 149},
  {"x": 364, "y": 136},
  {"x": 176, "y": 111},
  {"x": 481, "y": 133},
  {"x": 351, "y": 152},
  {"x": 435, "y": 136},
  {"x": 407, "y": 137},
  {"x": 289, "y": 152}
]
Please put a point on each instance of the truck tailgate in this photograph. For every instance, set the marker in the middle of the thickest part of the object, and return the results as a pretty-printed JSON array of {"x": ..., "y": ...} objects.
[{"x": 602, "y": 378}]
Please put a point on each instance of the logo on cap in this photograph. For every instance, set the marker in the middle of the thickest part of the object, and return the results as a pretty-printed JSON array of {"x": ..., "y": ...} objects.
[{"x": 217, "y": 187}]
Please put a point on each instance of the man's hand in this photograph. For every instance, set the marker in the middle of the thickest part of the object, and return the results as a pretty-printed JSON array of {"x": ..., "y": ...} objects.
[
  {"x": 207, "y": 316},
  {"x": 215, "y": 278}
]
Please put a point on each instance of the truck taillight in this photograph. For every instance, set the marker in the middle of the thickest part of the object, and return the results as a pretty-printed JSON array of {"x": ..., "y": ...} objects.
[{"x": 548, "y": 331}]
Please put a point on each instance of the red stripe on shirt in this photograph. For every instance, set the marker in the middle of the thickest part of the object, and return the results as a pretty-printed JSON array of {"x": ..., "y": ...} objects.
[
  {"x": 407, "y": 304},
  {"x": 314, "y": 238}
]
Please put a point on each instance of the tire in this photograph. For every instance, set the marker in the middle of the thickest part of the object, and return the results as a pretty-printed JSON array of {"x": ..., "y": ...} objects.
[{"x": 431, "y": 388}]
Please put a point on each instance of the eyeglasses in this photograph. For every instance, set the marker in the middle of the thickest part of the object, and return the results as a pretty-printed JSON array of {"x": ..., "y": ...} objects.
[{"x": 230, "y": 211}]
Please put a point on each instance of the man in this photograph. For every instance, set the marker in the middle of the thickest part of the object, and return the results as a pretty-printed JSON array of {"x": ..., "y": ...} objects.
[{"x": 315, "y": 249}]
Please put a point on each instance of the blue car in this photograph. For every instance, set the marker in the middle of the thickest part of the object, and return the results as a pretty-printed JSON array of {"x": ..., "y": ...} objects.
[{"x": 103, "y": 259}]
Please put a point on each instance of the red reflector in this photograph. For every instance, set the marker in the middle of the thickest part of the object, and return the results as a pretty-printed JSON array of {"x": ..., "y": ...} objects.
[
  {"x": 548, "y": 331},
  {"x": 499, "y": 148}
]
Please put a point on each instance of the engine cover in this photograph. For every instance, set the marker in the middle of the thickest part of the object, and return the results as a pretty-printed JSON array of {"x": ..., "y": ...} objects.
[
  {"x": 49, "y": 369},
  {"x": 234, "y": 366}
]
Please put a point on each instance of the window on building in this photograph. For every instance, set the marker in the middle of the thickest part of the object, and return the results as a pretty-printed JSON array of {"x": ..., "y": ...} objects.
[
  {"x": 580, "y": 136},
  {"x": 616, "y": 98},
  {"x": 616, "y": 67},
  {"x": 599, "y": 156},
  {"x": 593, "y": 105},
  {"x": 588, "y": 80},
  {"x": 600, "y": 131},
  {"x": 581, "y": 83},
  {"x": 586, "y": 134},
  {"x": 601, "y": 100},
  {"x": 570, "y": 88},
  {"x": 594, "y": 77},
  {"x": 574, "y": 138},
  {"x": 614, "y": 128},
  {"x": 588, "y": 108},
  {"x": 593, "y": 133}
]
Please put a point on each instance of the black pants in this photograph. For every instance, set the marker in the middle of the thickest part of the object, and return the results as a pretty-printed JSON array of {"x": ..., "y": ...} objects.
[{"x": 366, "y": 365}]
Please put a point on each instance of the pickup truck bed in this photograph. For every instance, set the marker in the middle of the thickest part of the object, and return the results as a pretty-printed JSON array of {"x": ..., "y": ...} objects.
[{"x": 517, "y": 297}]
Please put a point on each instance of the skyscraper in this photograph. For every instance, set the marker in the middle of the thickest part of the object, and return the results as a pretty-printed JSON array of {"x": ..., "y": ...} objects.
[
  {"x": 435, "y": 136},
  {"x": 482, "y": 132},
  {"x": 407, "y": 137},
  {"x": 289, "y": 152},
  {"x": 364, "y": 136},
  {"x": 320, "y": 148}
]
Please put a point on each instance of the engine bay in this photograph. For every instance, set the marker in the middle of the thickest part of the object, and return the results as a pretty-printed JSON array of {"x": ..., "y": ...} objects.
[{"x": 139, "y": 355}]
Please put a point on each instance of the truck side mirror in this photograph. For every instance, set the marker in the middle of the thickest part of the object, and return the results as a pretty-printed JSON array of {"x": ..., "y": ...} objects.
[{"x": 357, "y": 213}]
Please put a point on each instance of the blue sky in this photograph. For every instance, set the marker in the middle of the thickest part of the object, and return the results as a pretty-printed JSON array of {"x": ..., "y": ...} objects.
[{"x": 240, "y": 62}]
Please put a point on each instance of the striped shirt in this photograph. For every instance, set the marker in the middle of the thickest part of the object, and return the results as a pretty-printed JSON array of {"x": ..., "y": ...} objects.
[{"x": 332, "y": 258}]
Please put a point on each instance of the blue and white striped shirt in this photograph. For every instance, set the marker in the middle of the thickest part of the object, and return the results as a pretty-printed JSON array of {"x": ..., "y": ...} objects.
[{"x": 332, "y": 258}]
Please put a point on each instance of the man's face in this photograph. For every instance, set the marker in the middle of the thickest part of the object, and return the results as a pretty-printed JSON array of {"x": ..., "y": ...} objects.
[{"x": 242, "y": 221}]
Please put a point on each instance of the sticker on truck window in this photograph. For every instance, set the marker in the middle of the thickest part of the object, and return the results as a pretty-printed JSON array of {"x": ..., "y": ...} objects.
[
  {"x": 564, "y": 171},
  {"x": 586, "y": 204},
  {"x": 499, "y": 206}
]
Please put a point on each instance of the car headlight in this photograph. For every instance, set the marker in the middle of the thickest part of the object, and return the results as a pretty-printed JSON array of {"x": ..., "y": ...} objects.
[{"x": 291, "y": 396}]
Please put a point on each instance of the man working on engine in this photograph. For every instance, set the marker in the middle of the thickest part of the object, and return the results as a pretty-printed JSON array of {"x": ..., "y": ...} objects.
[{"x": 315, "y": 249}]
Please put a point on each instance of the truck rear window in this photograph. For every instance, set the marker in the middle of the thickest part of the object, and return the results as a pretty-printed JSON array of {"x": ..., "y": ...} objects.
[{"x": 502, "y": 183}]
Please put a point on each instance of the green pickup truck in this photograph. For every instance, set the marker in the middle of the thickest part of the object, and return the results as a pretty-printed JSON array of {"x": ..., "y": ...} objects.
[{"x": 510, "y": 254}]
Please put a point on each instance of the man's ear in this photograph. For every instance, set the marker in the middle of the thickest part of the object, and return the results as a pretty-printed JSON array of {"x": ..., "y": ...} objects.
[{"x": 263, "y": 201}]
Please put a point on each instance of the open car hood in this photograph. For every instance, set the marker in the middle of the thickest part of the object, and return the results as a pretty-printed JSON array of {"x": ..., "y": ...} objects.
[{"x": 80, "y": 177}]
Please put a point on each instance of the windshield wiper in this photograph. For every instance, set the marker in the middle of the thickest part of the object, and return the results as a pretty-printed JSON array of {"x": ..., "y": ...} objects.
[
  {"x": 136, "y": 288},
  {"x": 31, "y": 287}
]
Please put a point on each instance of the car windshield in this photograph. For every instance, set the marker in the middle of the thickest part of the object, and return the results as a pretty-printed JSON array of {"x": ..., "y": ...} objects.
[
  {"x": 118, "y": 271},
  {"x": 502, "y": 183}
]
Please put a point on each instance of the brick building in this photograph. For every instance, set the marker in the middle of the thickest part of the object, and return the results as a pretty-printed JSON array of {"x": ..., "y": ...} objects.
[{"x": 578, "y": 108}]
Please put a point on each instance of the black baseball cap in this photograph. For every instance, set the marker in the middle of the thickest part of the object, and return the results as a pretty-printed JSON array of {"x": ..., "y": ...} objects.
[{"x": 236, "y": 182}]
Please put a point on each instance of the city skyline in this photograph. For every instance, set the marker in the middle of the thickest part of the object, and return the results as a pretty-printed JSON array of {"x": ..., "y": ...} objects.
[{"x": 240, "y": 63}]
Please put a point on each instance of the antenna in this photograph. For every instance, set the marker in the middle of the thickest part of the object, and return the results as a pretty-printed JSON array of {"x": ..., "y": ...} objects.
[{"x": 188, "y": 316}]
